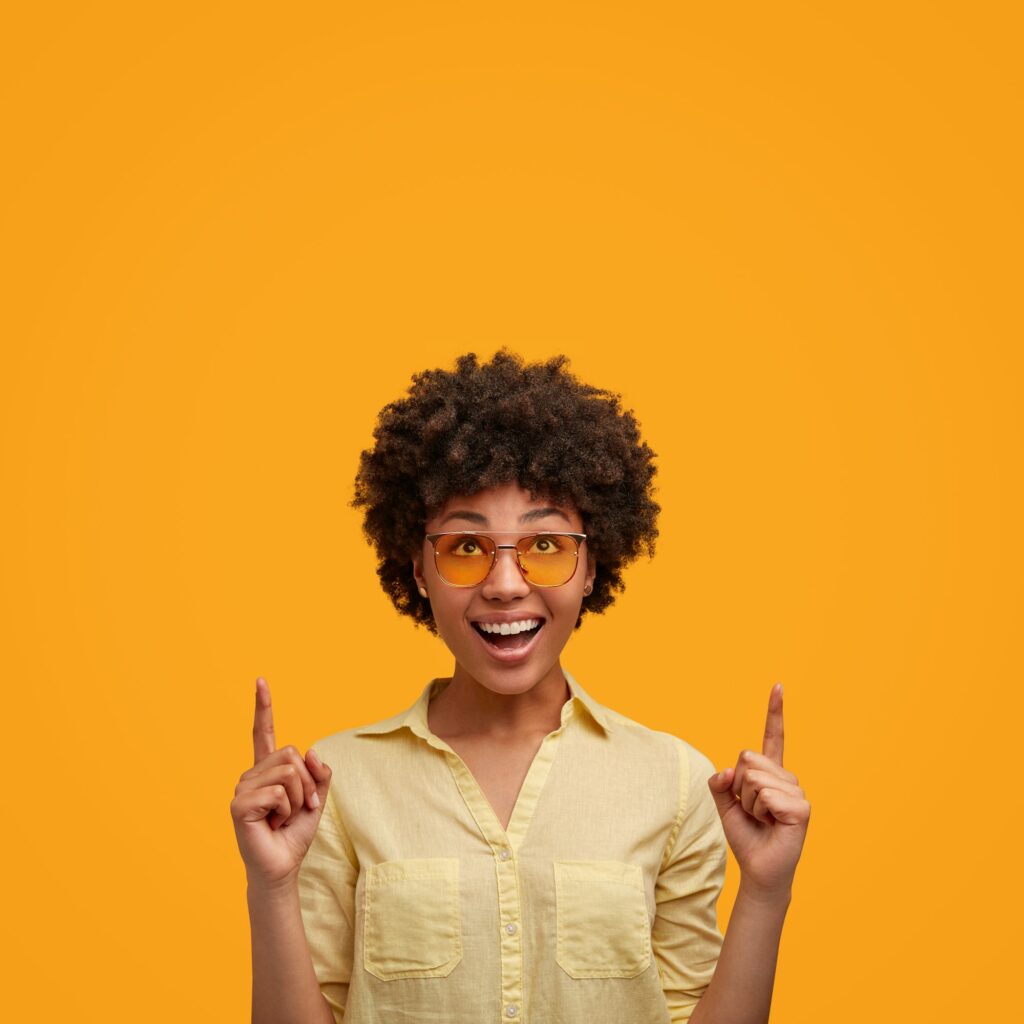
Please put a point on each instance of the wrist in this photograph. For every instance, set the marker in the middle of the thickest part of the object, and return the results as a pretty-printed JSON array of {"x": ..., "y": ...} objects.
[
  {"x": 283, "y": 890},
  {"x": 776, "y": 896}
]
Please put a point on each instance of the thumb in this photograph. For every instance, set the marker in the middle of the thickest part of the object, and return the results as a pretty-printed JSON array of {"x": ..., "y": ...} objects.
[
  {"x": 321, "y": 772},
  {"x": 720, "y": 789}
]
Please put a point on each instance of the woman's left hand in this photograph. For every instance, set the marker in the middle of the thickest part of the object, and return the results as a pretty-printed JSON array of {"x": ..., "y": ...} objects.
[{"x": 763, "y": 810}]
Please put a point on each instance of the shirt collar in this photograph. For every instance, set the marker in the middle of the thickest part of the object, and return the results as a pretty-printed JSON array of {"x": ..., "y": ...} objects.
[{"x": 415, "y": 717}]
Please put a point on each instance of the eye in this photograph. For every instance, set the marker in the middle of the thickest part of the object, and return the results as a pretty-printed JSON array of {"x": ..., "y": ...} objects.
[
  {"x": 469, "y": 546},
  {"x": 546, "y": 545}
]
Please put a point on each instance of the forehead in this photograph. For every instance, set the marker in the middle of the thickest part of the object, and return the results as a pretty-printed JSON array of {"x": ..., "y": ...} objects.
[{"x": 506, "y": 506}]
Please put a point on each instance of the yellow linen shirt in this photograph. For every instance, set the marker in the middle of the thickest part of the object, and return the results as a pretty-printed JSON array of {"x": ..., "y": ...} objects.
[{"x": 597, "y": 906}]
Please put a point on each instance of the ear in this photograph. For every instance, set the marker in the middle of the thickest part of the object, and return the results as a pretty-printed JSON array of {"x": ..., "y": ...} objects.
[
  {"x": 591, "y": 572},
  {"x": 417, "y": 571}
]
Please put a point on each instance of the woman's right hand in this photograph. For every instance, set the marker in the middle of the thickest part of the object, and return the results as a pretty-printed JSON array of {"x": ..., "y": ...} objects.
[{"x": 278, "y": 802}]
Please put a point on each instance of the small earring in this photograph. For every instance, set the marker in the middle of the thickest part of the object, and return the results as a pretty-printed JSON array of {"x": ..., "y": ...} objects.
[
  {"x": 587, "y": 589},
  {"x": 423, "y": 592}
]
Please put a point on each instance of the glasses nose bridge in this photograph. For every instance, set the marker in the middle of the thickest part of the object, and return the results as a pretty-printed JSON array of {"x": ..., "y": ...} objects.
[{"x": 495, "y": 574}]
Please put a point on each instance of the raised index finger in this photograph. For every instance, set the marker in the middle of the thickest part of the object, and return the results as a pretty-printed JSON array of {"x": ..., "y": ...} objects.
[
  {"x": 772, "y": 745},
  {"x": 263, "y": 723}
]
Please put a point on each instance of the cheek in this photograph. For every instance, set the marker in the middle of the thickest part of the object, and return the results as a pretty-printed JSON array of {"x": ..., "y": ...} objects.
[
  {"x": 566, "y": 610},
  {"x": 448, "y": 606},
  {"x": 447, "y": 626}
]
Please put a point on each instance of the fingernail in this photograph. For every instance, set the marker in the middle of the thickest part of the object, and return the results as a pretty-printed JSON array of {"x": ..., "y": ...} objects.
[{"x": 315, "y": 799}]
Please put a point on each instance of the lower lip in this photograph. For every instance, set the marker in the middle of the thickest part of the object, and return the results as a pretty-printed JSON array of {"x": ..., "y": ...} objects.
[{"x": 511, "y": 656}]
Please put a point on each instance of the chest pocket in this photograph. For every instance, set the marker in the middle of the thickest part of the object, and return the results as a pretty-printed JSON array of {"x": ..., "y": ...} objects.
[
  {"x": 601, "y": 923},
  {"x": 412, "y": 918}
]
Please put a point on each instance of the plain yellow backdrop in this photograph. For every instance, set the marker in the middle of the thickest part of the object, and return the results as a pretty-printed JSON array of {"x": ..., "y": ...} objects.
[{"x": 787, "y": 234}]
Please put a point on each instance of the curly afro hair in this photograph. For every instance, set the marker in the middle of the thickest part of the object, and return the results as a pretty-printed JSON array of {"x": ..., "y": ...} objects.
[{"x": 483, "y": 425}]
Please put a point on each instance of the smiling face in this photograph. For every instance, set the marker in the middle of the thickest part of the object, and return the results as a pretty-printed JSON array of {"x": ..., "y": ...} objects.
[{"x": 504, "y": 596}]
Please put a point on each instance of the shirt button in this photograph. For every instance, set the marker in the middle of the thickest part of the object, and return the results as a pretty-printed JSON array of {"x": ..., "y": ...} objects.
[
  {"x": 510, "y": 928},
  {"x": 504, "y": 856},
  {"x": 511, "y": 1011}
]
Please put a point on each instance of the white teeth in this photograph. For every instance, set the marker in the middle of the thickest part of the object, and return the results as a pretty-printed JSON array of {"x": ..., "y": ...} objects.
[{"x": 505, "y": 628}]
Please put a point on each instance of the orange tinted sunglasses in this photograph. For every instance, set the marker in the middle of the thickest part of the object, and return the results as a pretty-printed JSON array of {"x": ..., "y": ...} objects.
[{"x": 465, "y": 558}]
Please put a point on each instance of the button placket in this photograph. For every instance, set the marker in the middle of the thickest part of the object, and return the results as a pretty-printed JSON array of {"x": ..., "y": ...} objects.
[{"x": 510, "y": 911}]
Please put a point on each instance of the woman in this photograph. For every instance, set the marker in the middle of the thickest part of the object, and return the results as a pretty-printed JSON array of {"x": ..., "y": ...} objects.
[{"x": 508, "y": 847}]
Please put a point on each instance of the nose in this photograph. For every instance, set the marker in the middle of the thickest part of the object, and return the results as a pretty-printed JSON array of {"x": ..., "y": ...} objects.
[{"x": 505, "y": 580}]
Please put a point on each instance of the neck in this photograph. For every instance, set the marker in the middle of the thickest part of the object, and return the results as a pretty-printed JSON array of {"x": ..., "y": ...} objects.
[{"x": 467, "y": 708}]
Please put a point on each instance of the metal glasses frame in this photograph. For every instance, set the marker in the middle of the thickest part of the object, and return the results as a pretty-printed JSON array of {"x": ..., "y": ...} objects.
[{"x": 578, "y": 537}]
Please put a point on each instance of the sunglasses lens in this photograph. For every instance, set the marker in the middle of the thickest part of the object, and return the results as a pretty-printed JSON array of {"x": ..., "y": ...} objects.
[
  {"x": 548, "y": 560},
  {"x": 464, "y": 560}
]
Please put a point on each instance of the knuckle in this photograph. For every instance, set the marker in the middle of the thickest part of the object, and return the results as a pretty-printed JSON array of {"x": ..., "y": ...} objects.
[{"x": 290, "y": 750}]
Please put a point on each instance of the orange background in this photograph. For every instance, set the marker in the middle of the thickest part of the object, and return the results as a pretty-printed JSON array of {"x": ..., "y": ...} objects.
[{"x": 788, "y": 234}]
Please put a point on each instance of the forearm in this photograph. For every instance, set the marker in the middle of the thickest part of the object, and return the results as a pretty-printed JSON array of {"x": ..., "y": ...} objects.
[
  {"x": 740, "y": 992},
  {"x": 285, "y": 989}
]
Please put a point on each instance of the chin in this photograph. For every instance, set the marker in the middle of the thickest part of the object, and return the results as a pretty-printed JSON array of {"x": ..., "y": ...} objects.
[{"x": 508, "y": 679}]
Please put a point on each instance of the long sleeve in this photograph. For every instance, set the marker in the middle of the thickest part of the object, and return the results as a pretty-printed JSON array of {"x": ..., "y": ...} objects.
[
  {"x": 685, "y": 938},
  {"x": 327, "y": 882}
]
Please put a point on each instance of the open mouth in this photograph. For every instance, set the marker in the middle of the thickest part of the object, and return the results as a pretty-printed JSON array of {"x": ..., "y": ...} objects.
[{"x": 517, "y": 641}]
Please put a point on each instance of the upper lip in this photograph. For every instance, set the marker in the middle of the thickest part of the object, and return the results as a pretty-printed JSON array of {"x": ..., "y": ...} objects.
[{"x": 499, "y": 617}]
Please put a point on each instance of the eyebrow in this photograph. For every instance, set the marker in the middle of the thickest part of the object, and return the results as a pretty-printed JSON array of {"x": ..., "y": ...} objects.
[{"x": 528, "y": 517}]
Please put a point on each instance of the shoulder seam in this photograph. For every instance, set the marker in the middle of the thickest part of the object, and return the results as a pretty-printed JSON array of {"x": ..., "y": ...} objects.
[
  {"x": 684, "y": 787},
  {"x": 332, "y": 810},
  {"x": 346, "y": 843}
]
